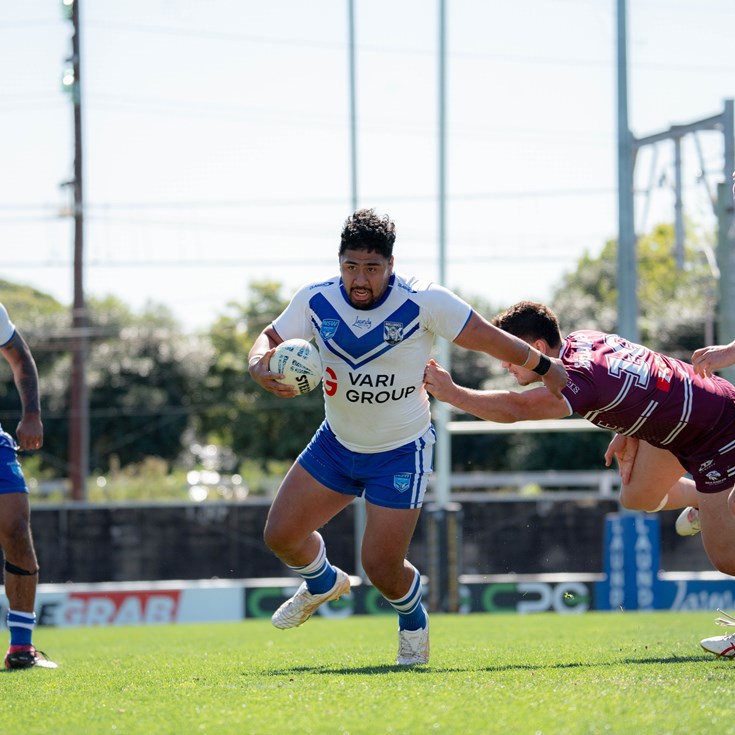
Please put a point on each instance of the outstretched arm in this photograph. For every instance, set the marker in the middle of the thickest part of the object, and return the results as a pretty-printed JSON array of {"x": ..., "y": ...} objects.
[
  {"x": 29, "y": 433},
  {"x": 481, "y": 336},
  {"x": 502, "y": 406},
  {"x": 715, "y": 357}
]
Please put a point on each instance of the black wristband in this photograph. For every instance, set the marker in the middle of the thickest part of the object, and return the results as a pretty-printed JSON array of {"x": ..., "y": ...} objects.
[{"x": 543, "y": 365}]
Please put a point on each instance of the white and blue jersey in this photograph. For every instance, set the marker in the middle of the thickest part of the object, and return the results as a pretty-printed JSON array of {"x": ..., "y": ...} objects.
[
  {"x": 374, "y": 358},
  {"x": 7, "y": 330}
]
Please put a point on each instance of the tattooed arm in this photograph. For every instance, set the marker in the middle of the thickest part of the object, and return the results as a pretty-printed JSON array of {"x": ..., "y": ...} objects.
[{"x": 29, "y": 433}]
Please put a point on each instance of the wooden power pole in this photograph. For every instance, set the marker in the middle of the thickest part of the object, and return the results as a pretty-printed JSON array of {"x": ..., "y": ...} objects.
[{"x": 79, "y": 400}]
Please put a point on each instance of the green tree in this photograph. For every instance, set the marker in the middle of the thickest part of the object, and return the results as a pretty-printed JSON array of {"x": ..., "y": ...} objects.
[
  {"x": 40, "y": 318},
  {"x": 675, "y": 305},
  {"x": 238, "y": 412},
  {"x": 144, "y": 383},
  {"x": 144, "y": 378}
]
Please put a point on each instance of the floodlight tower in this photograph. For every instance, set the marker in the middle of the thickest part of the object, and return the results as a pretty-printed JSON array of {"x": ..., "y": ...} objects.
[{"x": 722, "y": 203}]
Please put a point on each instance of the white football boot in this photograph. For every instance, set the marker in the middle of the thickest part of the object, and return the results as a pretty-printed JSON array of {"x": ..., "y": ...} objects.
[
  {"x": 299, "y": 608},
  {"x": 688, "y": 523},
  {"x": 721, "y": 645},
  {"x": 413, "y": 646}
]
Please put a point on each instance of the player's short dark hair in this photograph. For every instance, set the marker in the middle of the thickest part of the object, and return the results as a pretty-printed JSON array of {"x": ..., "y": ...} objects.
[
  {"x": 529, "y": 321},
  {"x": 365, "y": 229}
]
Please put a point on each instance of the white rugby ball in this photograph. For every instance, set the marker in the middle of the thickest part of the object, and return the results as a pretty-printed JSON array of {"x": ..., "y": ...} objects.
[{"x": 300, "y": 364}]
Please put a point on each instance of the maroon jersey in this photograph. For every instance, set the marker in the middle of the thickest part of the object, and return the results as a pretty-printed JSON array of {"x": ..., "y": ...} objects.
[{"x": 635, "y": 391}]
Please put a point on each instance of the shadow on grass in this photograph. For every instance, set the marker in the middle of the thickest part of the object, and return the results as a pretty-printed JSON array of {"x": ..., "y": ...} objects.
[
  {"x": 673, "y": 659},
  {"x": 429, "y": 669}
]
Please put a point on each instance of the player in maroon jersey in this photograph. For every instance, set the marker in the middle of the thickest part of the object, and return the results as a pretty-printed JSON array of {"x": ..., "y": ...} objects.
[
  {"x": 684, "y": 422},
  {"x": 669, "y": 419}
]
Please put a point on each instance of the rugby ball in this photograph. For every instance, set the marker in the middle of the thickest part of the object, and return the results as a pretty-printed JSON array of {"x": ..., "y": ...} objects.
[{"x": 300, "y": 364}]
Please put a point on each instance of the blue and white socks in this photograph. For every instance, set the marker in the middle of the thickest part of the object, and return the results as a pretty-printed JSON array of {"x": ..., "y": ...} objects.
[
  {"x": 411, "y": 613},
  {"x": 20, "y": 625},
  {"x": 320, "y": 575}
]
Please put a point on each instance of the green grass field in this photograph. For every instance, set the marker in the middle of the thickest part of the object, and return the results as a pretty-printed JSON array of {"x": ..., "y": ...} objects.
[{"x": 593, "y": 673}]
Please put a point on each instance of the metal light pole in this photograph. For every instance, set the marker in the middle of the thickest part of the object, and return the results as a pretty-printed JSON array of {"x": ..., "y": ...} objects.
[
  {"x": 627, "y": 266},
  {"x": 359, "y": 503},
  {"x": 441, "y": 409},
  {"x": 444, "y": 518},
  {"x": 353, "y": 102},
  {"x": 726, "y": 237}
]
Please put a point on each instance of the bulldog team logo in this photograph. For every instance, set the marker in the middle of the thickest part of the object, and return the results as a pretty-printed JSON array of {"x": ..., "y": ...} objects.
[
  {"x": 402, "y": 482},
  {"x": 328, "y": 329},
  {"x": 392, "y": 332}
]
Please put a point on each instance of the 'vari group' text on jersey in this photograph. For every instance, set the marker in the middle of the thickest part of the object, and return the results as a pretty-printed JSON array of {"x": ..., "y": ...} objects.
[{"x": 374, "y": 358}]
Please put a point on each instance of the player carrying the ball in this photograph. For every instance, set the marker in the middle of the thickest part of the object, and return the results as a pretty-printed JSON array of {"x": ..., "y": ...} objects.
[{"x": 374, "y": 329}]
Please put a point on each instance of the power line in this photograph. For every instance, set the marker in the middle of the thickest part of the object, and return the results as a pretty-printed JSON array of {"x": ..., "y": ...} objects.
[
  {"x": 312, "y": 201},
  {"x": 545, "y": 254},
  {"x": 368, "y": 48}
]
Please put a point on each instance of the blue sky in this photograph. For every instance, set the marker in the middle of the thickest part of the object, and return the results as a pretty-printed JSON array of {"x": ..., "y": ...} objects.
[{"x": 216, "y": 138}]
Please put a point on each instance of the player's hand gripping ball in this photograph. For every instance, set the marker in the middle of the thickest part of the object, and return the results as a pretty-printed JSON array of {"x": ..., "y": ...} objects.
[{"x": 300, "y": 364}]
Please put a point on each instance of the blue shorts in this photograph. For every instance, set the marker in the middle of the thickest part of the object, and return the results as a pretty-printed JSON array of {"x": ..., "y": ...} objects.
[
  {"x": 11, "y": 475},
  {"x": 393, "y": 479}
]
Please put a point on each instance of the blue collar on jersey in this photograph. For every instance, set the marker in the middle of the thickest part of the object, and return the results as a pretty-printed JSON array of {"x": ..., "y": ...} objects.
[{"x": 378, "y": 302}]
